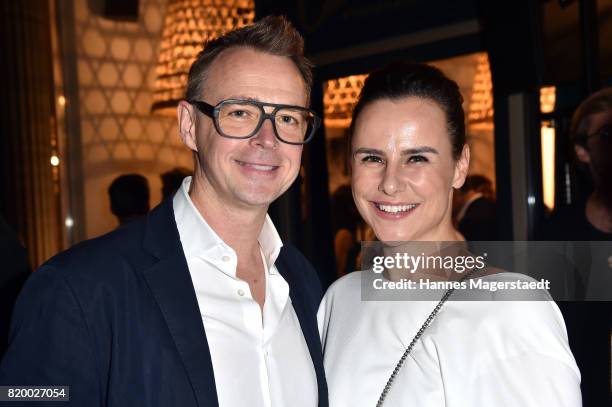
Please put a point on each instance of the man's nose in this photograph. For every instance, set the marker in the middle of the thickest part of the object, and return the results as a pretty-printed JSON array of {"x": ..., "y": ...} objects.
[{"x": 265, "y": 137}]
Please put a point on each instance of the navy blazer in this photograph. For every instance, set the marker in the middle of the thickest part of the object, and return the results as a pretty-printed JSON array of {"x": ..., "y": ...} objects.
[{"x": 116, "y": 318}]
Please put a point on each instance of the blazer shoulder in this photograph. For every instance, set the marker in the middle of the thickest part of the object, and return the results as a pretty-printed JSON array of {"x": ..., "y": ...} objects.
[
  {"x": 103, "y": 256},
  {"x": 294, "y": 258},
  {"x": 292, "y": 254},
  {"x": 302, "y": 268}
]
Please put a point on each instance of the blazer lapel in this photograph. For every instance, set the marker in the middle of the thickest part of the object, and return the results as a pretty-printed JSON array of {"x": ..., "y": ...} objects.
[
  {"x": 308, "y": 321},
  {"x": 171, "y": 285}
]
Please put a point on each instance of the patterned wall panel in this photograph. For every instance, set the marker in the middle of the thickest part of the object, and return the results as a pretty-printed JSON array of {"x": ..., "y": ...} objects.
[{"x": 116, "y": 74}]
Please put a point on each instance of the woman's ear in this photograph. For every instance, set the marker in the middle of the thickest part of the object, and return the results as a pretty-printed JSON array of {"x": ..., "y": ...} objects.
[
  {"x": 186, "y": 119},
  {"x": 462, "y": 166}
]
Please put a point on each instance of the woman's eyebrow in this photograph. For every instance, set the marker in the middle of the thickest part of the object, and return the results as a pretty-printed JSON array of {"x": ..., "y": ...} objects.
[
  {"x": 419, "y": 150},
  {"x": 364, "y": 150}
]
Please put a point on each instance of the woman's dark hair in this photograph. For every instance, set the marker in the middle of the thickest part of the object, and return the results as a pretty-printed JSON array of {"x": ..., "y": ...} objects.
[{"x": 404, "y": 79}]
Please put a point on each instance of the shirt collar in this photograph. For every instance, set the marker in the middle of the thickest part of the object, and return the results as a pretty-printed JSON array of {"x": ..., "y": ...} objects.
[
  {"x": 200, "y": 240},
  {"x": 270, "y": 243}
]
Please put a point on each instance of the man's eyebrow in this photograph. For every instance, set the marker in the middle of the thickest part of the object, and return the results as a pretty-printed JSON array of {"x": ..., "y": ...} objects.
[
  {"x": 258, "y": 100},
  {"x": 420, "y": 150},
  {"x": 242, "y": 97}
]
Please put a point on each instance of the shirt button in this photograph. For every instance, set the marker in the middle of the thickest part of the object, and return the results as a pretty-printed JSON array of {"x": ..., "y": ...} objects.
[
  {"x": 225, "y": 258},
  {"x": 241, "y": 292}
]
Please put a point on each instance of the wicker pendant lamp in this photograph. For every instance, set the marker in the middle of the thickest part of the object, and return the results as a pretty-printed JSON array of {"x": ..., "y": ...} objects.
[{"x": 188, "y": 25}]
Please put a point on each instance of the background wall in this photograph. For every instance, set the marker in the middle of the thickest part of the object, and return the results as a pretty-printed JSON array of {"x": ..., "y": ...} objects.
[{"x": 116, "y": 74}]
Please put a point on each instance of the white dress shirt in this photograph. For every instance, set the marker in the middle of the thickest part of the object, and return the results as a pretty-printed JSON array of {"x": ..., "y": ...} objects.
[
  {"x": 258, "y": 360},
  {"x": 474, "y": 354}
]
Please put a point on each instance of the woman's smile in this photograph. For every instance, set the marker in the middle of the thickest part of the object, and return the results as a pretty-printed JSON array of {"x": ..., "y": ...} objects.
[{"x": 394, "y": 211}]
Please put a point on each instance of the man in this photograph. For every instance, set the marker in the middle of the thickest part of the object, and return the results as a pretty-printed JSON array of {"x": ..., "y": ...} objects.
[
  {"x": 589, "y": 323},
  {"x": 129, "y": 197},
  {"x": 200, "y": 304},
  {"x": 591, "y": 137}
]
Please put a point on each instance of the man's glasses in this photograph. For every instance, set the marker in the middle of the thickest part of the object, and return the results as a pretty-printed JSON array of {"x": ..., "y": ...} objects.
[
  {"x": 241, "y": 119},
  {"x": 604, "y": 133}
]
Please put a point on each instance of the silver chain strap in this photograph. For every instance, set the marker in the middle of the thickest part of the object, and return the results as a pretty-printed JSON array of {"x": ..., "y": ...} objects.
[{"x": 418, "y": 335}]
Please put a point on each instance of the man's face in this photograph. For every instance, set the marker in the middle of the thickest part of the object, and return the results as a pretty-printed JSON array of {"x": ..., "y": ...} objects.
[
  {"x": 597, "y": 154},
  {"x": 249, "y": 173}
]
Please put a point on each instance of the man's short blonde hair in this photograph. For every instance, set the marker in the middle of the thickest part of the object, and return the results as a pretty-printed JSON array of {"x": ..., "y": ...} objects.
[{"x": 273, "y": 35}]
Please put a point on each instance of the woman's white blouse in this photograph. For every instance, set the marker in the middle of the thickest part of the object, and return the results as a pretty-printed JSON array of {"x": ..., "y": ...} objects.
[{"x": 475, "y": 353}]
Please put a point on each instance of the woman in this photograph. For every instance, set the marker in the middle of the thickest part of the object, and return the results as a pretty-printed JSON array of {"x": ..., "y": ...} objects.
[{"x": 408, "y": 153}]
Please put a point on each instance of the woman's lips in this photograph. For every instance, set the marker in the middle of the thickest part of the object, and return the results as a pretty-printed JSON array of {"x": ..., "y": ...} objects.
[{"x": 393, "y": 211}]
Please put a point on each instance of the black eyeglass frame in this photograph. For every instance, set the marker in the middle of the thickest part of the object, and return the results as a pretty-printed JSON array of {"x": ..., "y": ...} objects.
[
  {"x": 603, "y": 131},
  {"x": 213, "y": 112}
]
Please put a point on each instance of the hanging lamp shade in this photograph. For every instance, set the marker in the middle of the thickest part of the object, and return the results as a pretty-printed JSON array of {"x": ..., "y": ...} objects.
[
  {"x": 480, "y": 112},
  {"x": 187, "y": 26},
  {"x": 339, "y": 98}
]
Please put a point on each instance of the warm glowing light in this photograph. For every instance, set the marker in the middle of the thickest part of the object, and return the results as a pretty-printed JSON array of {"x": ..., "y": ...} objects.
[
  {"x": 548, "y": 164},
  {"x": 61, "y": 101},
  {"x": 548, "y": 98},
  {"x": 69, "y": 222},
  {"x": 339, "y": 97},
  {"x": 55, "y": 160},
  {"x": 188, "y": 25},
  {"x": 341, "y": 94},
  {"x": 480, "y": 111}
]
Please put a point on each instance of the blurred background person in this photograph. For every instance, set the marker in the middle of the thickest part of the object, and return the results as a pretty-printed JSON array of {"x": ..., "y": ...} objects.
[
  {"x": 347, "y": 229},
  {"x": 172, "y": 180},
  {"x": 129, "y": 197},
  {"x": 13, "y": 274},
  {"x": 474, "y": 205},
  {"x": 589, "y": 218}
]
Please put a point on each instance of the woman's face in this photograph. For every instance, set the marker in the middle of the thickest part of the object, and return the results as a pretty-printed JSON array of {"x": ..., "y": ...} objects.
[{"x": 403, "y": 170}]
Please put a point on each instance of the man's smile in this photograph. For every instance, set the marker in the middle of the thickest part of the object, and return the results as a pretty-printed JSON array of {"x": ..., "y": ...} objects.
[{"x": 257, "y": 166}]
